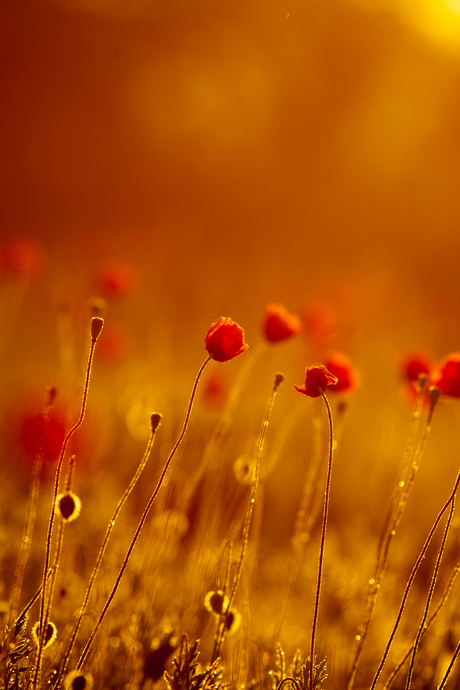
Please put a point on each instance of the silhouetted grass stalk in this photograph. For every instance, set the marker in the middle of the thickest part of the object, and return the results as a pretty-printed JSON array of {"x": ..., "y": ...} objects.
[
  {"x": 96, "y": 328},
  {"x": 147, "y": 508},
  {"x": 323, "y": 539}
]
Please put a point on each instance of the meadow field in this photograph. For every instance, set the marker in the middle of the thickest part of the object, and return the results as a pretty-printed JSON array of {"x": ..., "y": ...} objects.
[{"x": 179, "y": 511}]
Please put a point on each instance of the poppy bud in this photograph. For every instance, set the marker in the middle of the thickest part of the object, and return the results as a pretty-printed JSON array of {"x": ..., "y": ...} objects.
[
  {"x": 77, "y": 680},
  {"x": 317, "y": 378},
  {"x": 225, "y": 340},
  {"x": 155, "y": 421},
  {"x": 51, "y": 634},
  {"x": 68, "y": 506},
  {"x": 215, "y": 601},
  {"x": 96, "y": 327}
]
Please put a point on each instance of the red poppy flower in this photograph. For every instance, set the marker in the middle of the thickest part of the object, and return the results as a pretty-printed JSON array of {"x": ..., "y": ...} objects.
[
  {"x": 225, "y": 340},
  {"x": 279, "y": 324},
  {"x": 317, "y": 379},
  {"x": 340, "y": 366},
  {"x": 415, "y": 364},
  {"x": 447, "y": 375}
]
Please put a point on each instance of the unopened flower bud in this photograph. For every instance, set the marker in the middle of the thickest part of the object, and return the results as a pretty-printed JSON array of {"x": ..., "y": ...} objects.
[
  {"x": 78, "y": 680},
  {"x": 51, "y": 633},
  {"x": 96, "y": 327},
  {"x": 155, "y": 421},
  {"x": 68, "y": 505},
  {"x": 214, "y": 601},
  {"x": 279, "y": 378}
]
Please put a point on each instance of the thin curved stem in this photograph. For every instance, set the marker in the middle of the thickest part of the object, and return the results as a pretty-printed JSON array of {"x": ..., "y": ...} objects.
[
  {"x": 323, "y": 538},
  {"x": 442, "y": 684},
  {"x": 445, "y": 594},
  {"x": 411, "y": 578},
  {"x": 147, "y": 508},
  {"x": 102, "y": 550},
  {"x": 248, "y": 520},
  {"x": 430, "y": 594},
  {"x": 96, "y": 327},
  {"x": 398, "y": 502}
]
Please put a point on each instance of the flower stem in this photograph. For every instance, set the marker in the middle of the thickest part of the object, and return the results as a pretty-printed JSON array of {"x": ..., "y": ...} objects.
[
  {"x": 96, "y": 327},
  {"x": 147, "y": 508},
  {"x": 323, "y": 538}
]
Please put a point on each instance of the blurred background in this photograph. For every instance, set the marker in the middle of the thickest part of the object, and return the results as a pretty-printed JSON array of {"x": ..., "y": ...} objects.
[
  {"x": 222, "y": 145},
  {"x": 187, "y": 160},
  {"x": 191, "y": 159}
]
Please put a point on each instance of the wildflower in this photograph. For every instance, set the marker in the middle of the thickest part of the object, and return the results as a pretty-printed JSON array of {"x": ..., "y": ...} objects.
[
  {"x": 340, "y": 366},
  {"x": 279, "y": 324},
  {"x": 446, "y": 376},
  {"x": 225, "y": 340},
  {"x": 414, "y": 365},
  {"x": 317, "y": 378}
]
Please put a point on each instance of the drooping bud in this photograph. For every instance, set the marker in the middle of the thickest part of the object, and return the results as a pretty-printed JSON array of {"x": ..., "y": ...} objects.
[
  {"x": 232, "y": 621},
  {"x": 279, "y": 378},
  {"x": 51, "y": 634},
  {"x": 68, "y": 505},
  {"x": 155, "y": 421},
  {"x": 214, "y": 601},
  {"x": 78, "y": 680}
]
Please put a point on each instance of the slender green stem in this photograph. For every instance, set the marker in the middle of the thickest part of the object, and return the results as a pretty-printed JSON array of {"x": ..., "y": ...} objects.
[
  {"x": 248, "y": 520},
  {"x": 398, "y": 502},
  {"x": 147, "y": 508},
  {"x": 306, "y": 508},
  {"x": 96, "y": 327},
  {"x": 31, "y": 513},
  {"x": 442, "y": 684},
  {"x": 430, "y": 594},
  {"x": 445, "y": 594},
  {"x": 412, "y": 577},
  {"x": 323, "y": 539},
  {"x": 155, "y": 422}
]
